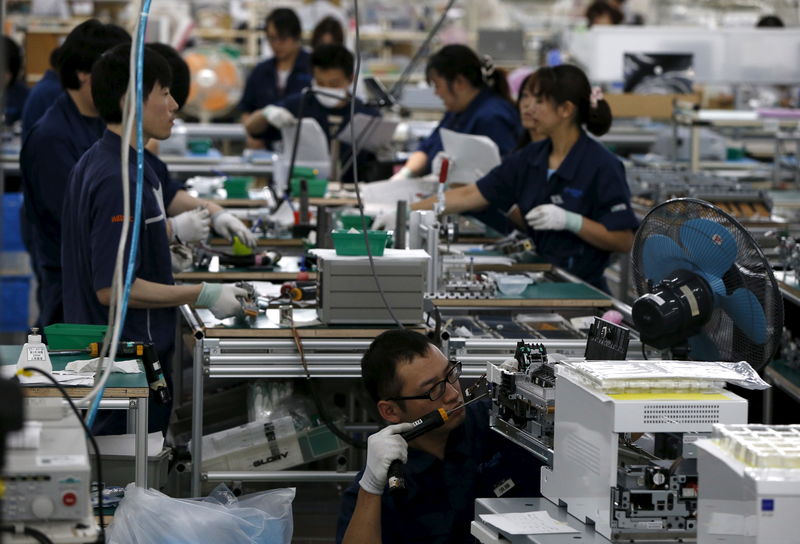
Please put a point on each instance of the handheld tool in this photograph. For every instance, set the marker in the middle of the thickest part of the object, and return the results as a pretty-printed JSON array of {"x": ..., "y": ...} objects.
[
  {"x": 426, "y": 423},
  {"x": 250, "y": 300},
  {"x": 152, "y": 366}
]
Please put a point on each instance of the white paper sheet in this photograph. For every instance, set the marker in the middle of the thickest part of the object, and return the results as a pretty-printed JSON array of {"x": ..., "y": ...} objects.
[
  {"x": 63, "y": 377},
  {"x": 125, "y": 444},
  {"x": 473, "y": 156},
  {"x": 85, "y": 366},
  {"x": 527, "y": 523},
  {"x": 372, "y": 133}
]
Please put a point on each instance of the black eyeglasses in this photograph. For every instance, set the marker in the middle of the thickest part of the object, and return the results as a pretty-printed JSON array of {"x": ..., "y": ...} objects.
[{"x": 438, "y": 389}]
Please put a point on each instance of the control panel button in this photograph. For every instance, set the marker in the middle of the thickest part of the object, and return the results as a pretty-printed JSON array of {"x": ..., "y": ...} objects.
[
  {"x": 42, "y": 507},
  {"x": 69, "y": 498}
]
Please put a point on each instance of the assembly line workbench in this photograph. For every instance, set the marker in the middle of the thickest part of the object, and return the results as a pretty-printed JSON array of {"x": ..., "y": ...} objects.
[{"x": 123, "y": 392}]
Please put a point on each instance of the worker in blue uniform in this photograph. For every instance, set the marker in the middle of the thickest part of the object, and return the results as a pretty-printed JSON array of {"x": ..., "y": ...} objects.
[
  {"x": 286, "y": 73},
  {"x": 42, "y": 95},
  {"x": 93, "y": 219},
  {"x": 53, "y": 146},
  {"x": 327, "y": 101},
  {"x": 476, "y": 97},
  {"x": 446, "y": 469},
  {"x": 16, "y": 92},
  {"x": 571, "y": 190}
]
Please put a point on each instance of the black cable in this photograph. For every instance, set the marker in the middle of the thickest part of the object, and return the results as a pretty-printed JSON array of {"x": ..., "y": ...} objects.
[
  {"x": 35, "y": 534},
  {"x": 343, "y": 436},
  {"x": 300, "y": 112},
  {"x": 90, "y": 436},
  {"x": 643, "y": 353}
]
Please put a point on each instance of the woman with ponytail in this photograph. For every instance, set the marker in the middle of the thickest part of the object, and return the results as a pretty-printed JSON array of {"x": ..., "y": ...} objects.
[
  {"x": 476, "y": 97},
  {"x": 571, "y": 190}
]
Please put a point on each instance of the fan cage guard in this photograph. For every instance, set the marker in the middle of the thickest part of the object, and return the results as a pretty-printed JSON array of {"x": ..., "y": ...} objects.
[{"x": 750, "y": 271}]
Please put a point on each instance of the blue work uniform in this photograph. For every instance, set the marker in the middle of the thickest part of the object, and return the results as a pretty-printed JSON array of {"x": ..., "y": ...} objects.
[
  {"x": 590, "y": 181},
  {"x": 326, "y": 117},
  {"x": 49, "y": 152},
  {"x": 41, "y": 97},
  {"x": 262, "y": 88},
  {"x": 169, "y": 186},
  {"x": 440, "y": 501},
  {"x": 15, "y": 97}
]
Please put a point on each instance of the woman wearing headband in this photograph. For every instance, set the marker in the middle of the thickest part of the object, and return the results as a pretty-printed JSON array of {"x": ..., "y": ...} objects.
[{"x": 570, "y": 189}]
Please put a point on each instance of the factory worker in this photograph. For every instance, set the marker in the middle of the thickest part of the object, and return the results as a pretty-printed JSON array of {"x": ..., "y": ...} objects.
[
  {"x": 93, "y": 218},
  {"x": 286, "y": 73},
  {"x": 328, "y": 101},
  {"x": 570, "y": 189},
  {"x": 446, "y": 469},
  {"x": 42, "y": 95},
  {"x": 53, "y": 146},
  {"x": 476, "y": 97}
]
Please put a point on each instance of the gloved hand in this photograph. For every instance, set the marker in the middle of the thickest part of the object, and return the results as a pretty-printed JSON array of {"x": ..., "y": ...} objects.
[
  {"x": 227, "y": 225},
  {"x": 279, "y": 117},
  {"x": 221, "y": 299},
  {"x": 182, "y": 258},
  {"x": 383, "y": 447},
  {"x": 436, "y": 164},
  {"x": 191, "y": 226},
  {"x": 385, "y": 221},
  {"x": 552, "y": 217},
  {"x": 403, "y": 173}
]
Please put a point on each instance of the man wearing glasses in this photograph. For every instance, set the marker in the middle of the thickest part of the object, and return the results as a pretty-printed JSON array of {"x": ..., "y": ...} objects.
[{"x": 446, "y": 469}]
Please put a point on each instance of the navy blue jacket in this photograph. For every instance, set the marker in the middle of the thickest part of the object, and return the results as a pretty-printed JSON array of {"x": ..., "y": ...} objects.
[
  {"x": 41, "y": 97},
  {"x": 440, "y": 503},
  {"x": 590, "y": 181},
  {"x": 262, "y": 89},
  {"x": 15, "y": 97},
  {"x": 92, "y": 227}
]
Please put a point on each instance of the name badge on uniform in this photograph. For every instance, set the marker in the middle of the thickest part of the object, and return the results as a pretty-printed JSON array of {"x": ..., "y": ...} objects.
[
  {"x": 556, "y": 199},
  {"x": 503, "y": 487},
  {"x": 619, "y": 207}
]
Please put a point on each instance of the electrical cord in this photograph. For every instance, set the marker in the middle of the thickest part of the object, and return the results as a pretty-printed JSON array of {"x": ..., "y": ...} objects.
[
  {"x": 343, "y": 436},
  {"x": 35, "y": 534},
  {"x": 90, "y": 436}
]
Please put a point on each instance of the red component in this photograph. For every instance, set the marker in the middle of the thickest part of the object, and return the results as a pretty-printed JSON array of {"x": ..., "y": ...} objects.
[
  {"x": 443, "y": 171},
  {"x": 302, "y": 276},
  {"x": 69, "y": 498}
]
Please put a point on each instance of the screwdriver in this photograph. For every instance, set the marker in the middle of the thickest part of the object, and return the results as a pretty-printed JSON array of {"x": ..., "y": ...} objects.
[{"x": 426, "y": 423}]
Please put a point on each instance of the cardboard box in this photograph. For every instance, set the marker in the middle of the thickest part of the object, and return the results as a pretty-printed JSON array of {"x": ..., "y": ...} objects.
[{"x": 655, "y": 106}]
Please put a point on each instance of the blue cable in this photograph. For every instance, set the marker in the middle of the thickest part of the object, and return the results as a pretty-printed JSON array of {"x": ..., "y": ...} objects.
[{"x": 137, "y": 220}]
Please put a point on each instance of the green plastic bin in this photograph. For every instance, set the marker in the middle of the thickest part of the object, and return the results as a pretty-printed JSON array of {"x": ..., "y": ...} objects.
[
  {"x": 316, "y": 187},
  {"x": 354, "y": 221},
  {"x": 237, "y": 187},
  {"x": 73, "y": 336},
  {"x": 352, "y": 243}
]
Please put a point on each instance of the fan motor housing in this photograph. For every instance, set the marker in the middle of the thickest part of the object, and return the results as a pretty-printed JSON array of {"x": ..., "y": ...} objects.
[{"x": 676, "y": 308}]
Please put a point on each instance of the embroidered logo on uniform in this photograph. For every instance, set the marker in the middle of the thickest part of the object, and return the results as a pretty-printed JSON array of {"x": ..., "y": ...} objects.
[
  {"x": 573, "y": 192},
  {"x": 556, "y": 199},
  {"x": 119, "y": 218},
  {"x": 619, "y": 207},
  {"x": 503, "y": 487}
]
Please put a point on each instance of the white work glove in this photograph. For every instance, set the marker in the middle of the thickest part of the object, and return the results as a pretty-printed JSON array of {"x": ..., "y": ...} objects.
[
  {"x": 383, "y": 447},
  {"x": 182, "y": 258},
  {"x": 552, "y": 217},
  {"x": 385, "y": 221},
  {"x": 227, "y": 225},
  {"x": 221, "y": 299},
  {"x": 403, "y": 173},
  {"x": 191, "y": 226},
  {"x": 279, "y": 117},
  {"x": 436, "y": 164}
]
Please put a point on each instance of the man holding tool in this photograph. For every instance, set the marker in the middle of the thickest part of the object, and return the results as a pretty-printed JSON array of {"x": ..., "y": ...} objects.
[{"x": 457, "y": 460}]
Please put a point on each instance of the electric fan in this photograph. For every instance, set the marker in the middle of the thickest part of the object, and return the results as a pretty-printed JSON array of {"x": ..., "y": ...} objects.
[
  {"x": 705, "y": 289},
  {"x": 216, "y": 84}
]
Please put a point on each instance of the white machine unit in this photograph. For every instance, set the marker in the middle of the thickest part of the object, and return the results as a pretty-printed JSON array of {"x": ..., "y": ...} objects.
[
  {"x": 627, "y": 501},
  {"x": 47, "y": 474},
  {"x": 750, "y": 479}
]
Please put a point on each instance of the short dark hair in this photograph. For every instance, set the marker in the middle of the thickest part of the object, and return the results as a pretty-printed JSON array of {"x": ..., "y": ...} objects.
[
  {"x": 181, "y": 77},
  {"x": 456, "y": 60},
  {"x": 83, "y": 46},
  {"x": 55, "y": 58},
  {"x": 13, "y": 58},
  {"x": 770, "y": 21},
  {"x": 110, "y": 79},
  {"x": 286, "y": 23},
  {"x": 328, "y": 25},
  {"x": 600, "y": 7},
  {"x": 568, "y": 83},
  {"x": 379, "y": 364},
  {"x": 331, "y": 56}
]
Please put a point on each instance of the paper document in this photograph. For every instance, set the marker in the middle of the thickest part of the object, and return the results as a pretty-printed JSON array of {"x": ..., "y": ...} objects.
[
  {"x": 63, "y": 377},
  {"x": 85, "y": 366},
  {"x": 527, "y": 523},
  {"x": 473, "y": 156},
  {"x": 125, "y": 444},
  {"x": 373, "y": 133}
]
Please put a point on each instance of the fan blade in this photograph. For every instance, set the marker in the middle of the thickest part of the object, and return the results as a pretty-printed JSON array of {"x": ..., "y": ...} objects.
[
  {"x": 702, "y": 348},
  {"x": 709, "y": 246},
  {"x": 747, "y": 314},
  {"x": 660, "y": 256}
]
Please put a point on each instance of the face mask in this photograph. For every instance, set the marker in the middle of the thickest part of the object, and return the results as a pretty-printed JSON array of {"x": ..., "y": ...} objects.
[{"x": 332, "y": 97}]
